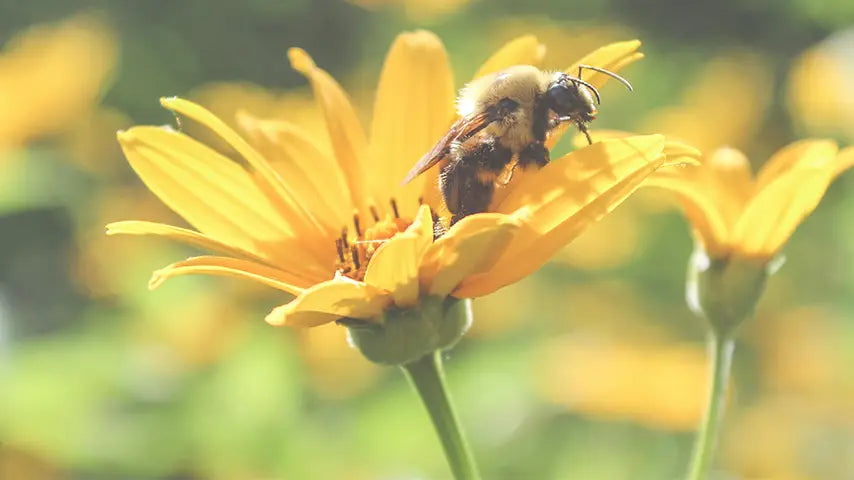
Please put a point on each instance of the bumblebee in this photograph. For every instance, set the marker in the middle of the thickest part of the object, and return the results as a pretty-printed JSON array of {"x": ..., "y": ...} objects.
[{"x": 505, "y": 117}]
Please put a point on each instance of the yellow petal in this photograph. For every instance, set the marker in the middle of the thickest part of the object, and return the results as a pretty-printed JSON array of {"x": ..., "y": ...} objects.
[
  {"x": 280, "y": 195},
  {"x": 563, "y": 199},
  {"x": 524, "y": 50},
  {"x": 675, "y": 150},
  {"x": 729, "y": 172},
  {"x": 329, "y": 301},
  {"x": 776, "y": 211},
  {"x": 803, "y": 152},
  {"x": 414, "y": 103},
  {"x": 231, "y": 267},
  {"x": 310, "y": 172},
  {"x": 213, "y": 194},
  {"x": 183, "y": 235},
  {"x": 348, "y": 138},
  {"x": 566, "y": 182},
  {"x": 698, "y": 195},
  {"x": 470, "y": 247},
  {"x": 394, "y": 266}
]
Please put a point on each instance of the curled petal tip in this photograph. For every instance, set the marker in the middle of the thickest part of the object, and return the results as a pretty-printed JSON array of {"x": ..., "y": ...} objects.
[
  {"x": 420, "y": 37},
  {"x": 157, "y": 279},
  {"x": 124, "y": 135},
  {"x": 300, "y": 60},
  {"x": 167, "y": 102},
  {"x": 276, "y": 317}
]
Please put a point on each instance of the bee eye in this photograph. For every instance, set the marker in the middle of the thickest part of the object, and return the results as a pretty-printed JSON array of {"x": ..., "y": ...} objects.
[{"x": 561, "y": 99}]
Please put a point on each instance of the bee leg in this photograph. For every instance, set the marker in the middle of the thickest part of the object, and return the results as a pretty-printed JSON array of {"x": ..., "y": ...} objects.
[
  {"x": 438, "y": 229},
  {"x": 534, "y": 154},
  {"x": 583, "y": 129}
]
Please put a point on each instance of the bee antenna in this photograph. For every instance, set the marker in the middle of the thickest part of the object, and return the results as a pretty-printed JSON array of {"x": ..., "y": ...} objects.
[
  {"x": 591, "y": 87},
  {"x": 606, "y": 72}
]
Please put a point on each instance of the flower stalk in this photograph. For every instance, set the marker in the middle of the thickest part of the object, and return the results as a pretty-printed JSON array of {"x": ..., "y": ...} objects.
[
  {"x": 721, "y": 347},
  {"x": 723, "y": 291},
  {"x": 428, "y": 378}
]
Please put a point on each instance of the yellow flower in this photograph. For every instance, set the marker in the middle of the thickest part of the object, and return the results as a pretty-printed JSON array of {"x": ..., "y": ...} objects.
[
  {"x": 702, "y": 119},
  {"x": 651, "y": 383},
  {"x": 50, "y": 75},
  {"x": 818, "y": 95},
  {"x": 736, "y": 214},
  {"x": 276, "y": 215}
]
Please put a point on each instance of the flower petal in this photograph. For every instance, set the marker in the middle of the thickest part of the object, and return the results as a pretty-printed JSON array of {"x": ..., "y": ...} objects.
[
  {"x": 803, "y": 152},
  {"x": 345, "y": 131},
  {"x": 775, "y": 212},
  {"x": 274, "y": 187},
  {"x": 182, "y": 235},
  {"x": 213, "y": 194},
  {"x": 560, "y": 201},
  {"x": 524, "y": 50},
  {"x": 696, "y": 192},
  {"x": 414, "y": 104},
  {"x": 470, "y": 247},
  {"x": 394, "y": 266},
  {"x": 329, "y": 301},
  {"x": 310, "y": 172},
  {"x": 231, "y": 267}
]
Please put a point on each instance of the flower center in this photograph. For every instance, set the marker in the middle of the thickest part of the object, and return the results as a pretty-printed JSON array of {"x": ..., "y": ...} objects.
[{"x": 355, "y": 251}]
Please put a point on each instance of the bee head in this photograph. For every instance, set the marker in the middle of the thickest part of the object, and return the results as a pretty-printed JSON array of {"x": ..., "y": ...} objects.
[
  {"x": 572, "y": 97},
  {"x": 568, "y": 96}
]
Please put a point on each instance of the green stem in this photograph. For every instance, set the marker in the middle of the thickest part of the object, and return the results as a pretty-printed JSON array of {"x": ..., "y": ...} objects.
[
  {"x": 721, "y": 347},
  {"x": 428, "y": 378}
]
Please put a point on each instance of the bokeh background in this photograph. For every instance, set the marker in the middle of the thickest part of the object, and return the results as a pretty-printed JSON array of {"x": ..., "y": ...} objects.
[{"x": 591, "y": 369}]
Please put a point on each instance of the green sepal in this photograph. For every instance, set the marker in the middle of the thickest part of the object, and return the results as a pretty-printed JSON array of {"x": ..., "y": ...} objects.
[
  {"x": 725, "y": 291},
  {"x": 404, "y": 335}
]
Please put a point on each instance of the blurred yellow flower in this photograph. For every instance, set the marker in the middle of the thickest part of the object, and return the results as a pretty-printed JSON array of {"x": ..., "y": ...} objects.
[
  {"x": 277, "y": 217},
  {"x": 50, "y": 75},
  {"x": 421, "y": 10},
  {"x": 230, "y": 101},
  {"x": 724, "y": 104},
  {"x": 337, "y": 370},
  {"x": 785, "y": 438},
  {"x": 819, "y": 93},
  {"x": 733, "y": 213},
  {"x": 657, "y": 385}
]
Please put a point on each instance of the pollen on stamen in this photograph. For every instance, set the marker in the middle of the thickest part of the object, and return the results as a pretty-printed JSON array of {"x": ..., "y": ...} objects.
[
  {"x": 354, "y": 251},
  {"x": 356, "y": 247},
  {"x": 357, "y": 225},
  {"x": 339, "y": 246}
]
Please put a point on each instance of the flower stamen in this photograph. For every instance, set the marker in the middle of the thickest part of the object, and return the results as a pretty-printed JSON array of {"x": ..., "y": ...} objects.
[
  {"x": 356, "y": 224},
  {"x": 354, "y": 253}
]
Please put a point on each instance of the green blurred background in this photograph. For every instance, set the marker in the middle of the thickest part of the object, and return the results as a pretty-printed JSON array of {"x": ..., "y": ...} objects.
[{"x": 591, "y": 369}]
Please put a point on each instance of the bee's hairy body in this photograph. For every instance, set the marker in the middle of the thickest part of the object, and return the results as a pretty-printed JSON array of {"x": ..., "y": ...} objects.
[{"x": 504, "y": 119}]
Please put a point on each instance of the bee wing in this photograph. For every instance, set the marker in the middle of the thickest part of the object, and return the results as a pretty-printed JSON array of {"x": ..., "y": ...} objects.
[{"x": 463, "y": 129}]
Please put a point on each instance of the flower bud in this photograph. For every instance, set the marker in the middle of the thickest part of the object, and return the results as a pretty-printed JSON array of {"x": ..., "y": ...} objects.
[
  {"x": 725, "y": 291},
  {"x": 405, "y": 335}
]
